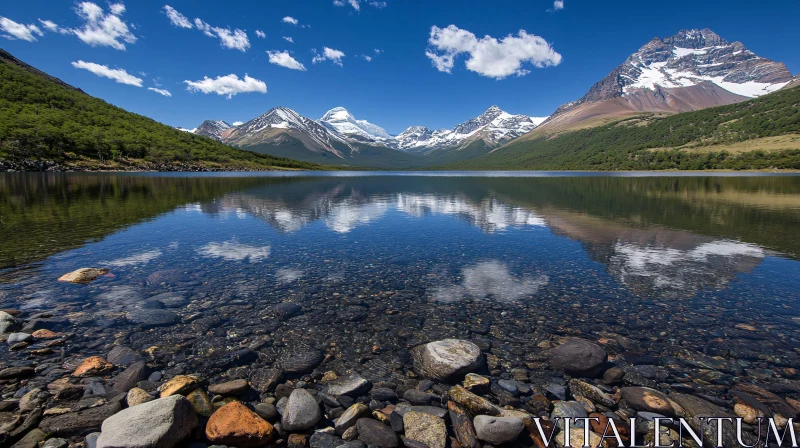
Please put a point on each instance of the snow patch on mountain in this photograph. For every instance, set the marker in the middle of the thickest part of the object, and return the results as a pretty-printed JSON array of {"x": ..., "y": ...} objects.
[{"x": 341, "y": 121}]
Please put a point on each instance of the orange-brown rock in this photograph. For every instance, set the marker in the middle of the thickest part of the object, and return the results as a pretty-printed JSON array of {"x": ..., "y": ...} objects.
[
  {"x": 83, "y": 275},
  {"x": 94, "y": 365},
  {"x": 234, "y": 424},
  {"x": 44, "y": 334}
]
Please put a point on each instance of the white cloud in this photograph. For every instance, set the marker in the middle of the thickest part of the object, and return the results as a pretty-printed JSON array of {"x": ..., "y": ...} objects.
[
  {"x": 283, "y": 59},
  {"x": 101, "y": 29},
  {"x": 288, "y": 39},
  {"x": 235, "y": 39},
  {"x": 558, "y": 5},
  {"x": 176, "y": 18},
  {"x": 367, "y": 58},
  {"x": 238, "y": 123},
  {"x": 164, "y": 92},
  {"x": 261, "y": 34},
  {"x": 14, "y": 30},
  {"x": 291, "y": 20},
  {"x": 119, "y": 75},
  {"x": 117, "y": 8},
  {"x": 328, "y": 54},
  {"x": 356, "y": 4},
  {"x": 49, "y": 25},
  {"x": 488, "y": 56},
  {"x": 229, "y": 85},
  {"x": 378, "y": 51}
]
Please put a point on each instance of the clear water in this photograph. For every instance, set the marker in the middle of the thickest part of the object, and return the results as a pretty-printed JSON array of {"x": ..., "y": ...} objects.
[{"x": 660, "y": 268}]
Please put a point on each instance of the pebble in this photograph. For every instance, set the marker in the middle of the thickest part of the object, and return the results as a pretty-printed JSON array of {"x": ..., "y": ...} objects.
[
  {"x": 229, "y": 388},
  {"x": 497, "y": 430}
]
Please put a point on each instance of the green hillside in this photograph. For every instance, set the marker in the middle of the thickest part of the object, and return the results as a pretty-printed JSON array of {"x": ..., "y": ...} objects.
[
  {"x": 698, "y": 140},
  {"x": 45, "y": 122}
]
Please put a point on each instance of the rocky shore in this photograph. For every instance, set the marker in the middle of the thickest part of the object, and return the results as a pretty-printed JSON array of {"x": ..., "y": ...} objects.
[{"x": 167, "y": 369}]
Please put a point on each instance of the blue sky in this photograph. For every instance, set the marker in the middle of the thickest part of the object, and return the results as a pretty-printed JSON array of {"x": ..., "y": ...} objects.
[{"x": 400, "y": 87}]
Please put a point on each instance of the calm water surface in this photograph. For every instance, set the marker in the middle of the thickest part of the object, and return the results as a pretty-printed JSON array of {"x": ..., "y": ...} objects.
[{"x": 696, "y": 275}]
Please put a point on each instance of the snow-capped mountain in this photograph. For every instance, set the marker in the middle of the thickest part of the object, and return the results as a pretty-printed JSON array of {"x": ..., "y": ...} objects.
[
  {"x": 279, "y": 122},
  {"x": 212, "y": 128},
  {"x": 494, "y": 126},
  {"x": 691, "y": 70},
  {"x": 341, "y": 121}
]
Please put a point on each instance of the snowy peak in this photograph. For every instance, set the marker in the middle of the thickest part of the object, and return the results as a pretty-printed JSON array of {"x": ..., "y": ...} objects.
[
  {"x": 494, "y": 126},
  {"x": 343, "y": 122},
  {"x": 280, "y": 119},
  {"x": 213, "y": 128}
]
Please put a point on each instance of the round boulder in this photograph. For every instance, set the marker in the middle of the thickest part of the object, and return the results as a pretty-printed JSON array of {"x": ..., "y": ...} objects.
[
  {"x": 301, "y": 412},
  {"x": 447, "y": 358},
  {"x": 498, "y": 430},
  {"x": 234, "y": 424},
  {"x": 579, "y": 357}
]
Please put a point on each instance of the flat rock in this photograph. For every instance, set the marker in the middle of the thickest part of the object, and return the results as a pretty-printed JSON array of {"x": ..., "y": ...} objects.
[
  {"x": 352, "y": 384},
  {"x": 130, "y": 377},
  {"x": 180, "y": 385},
  {"x": 161, "y": 423},
  {"x": 462, "y": 426},
  {"x": 93, "y": 366},
  {"x": 349, "y": 417},
  {"x": 151, "y": 317},
  {"x": 79, "y": 423},
  {"x": 300, "y": 360},
  {"x": 579, "y": 357},
  {"x": 83, "y": 275},
  {"x": 122, "y": 356},
  {"x": 16, "y": 372},
  {"x": 497, "y": 430},
  {"x": 651, "y": 400},
  {"x": 229, "y": 388},
  {"x": 569, "y": 409},
  {"x": 446, "y": 358},
  {"x": 425, "y": 428},
  {"x": 474, "y": 404},
  {"x": 265, "y": 380},
  {"x": 302, "y": 411},
  {"x": 31, "y": 439},
  {"x": 234, "y": 424},
  {"x": 373, "y": 432}
]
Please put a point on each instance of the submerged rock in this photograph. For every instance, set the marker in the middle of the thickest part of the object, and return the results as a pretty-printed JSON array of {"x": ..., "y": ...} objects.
[
  {"x": 83, "y": 275},
  {"x": 447, "y": 358},
  {"x": 579, "y": 357}
]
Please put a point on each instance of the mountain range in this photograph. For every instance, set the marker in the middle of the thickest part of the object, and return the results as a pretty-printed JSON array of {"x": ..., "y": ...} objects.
[
  {"x": 692, "y": 70},
  {"x": 688, "y": 101}
]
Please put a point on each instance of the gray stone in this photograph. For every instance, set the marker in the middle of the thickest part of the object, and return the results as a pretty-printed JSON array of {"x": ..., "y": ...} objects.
[
  {"x": 447, "y": 358},
  {"x": 229, "y": 388},
  {"x": 13, "y": 338},
  {"x": 79, "y": 423},
  {"x": 571, "y": 409},
  {"x": 266, "y": 411},
  {"x": 56, "y": 443},
  {"x": 33, "y": 399},
  {"x": 415, "y": 396},
  {"x": 498, "y": 430},
  {"x": 300, "y": 360},
  {"x": 322, "y": 440},
  {"x": 160, "y": 423},
  {"x": 579, "y": 357},
  {"x": 151, "y": 318},
  {"x": 130, "y": 377},
  {"x": 301, "y": 412},
  {"x": 91, "y": 440},
  {"x": 373, "y": 432},
  {"x": 509, "y": 386},
  {"x": 122, "y": 356},
  {"x": 31, "y": 439},
  {"x": 352, "y": 384}
]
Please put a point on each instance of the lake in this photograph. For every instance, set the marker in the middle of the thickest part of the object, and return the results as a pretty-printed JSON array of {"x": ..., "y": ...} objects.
[{"x": 690, "y": 282}]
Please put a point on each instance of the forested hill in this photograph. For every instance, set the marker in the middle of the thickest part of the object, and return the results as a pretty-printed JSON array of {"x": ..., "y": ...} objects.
[
  {"x": 46, "y": 124},
  {"x": 762, "y": 133}
]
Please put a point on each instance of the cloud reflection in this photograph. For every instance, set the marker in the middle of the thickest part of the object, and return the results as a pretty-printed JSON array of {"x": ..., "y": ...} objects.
[
  {"x": 491, "y": 280},
  {"x": 140, "y": 258},
  {"x": 233, "y": 251}
]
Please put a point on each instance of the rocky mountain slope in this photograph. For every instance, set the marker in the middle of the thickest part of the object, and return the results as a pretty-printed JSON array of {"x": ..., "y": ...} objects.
[{"x": 691, "y": 70}]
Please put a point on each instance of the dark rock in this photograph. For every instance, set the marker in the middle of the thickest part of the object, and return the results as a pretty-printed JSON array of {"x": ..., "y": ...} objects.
[
  {"x": 383, "y": 394},
  {"x": 16, "y": 372},
  {"x": 265, "y": 380},
  {"x": 79, "y": 423},
  {"x": 122, "y": 356},
  {"x": 651, "y": 400},
  {"x": 418, "y": 397},
  {"x": 151, "y": 318},
  {"x": 579, "y": 357},
  {"x": 462, "y": 426},
  {"x": 323, "y": 440},
  {"x": 267, "y": 412},
  {"x": 301, "y": 360},
  {"x": 130, "y": 377},
  {"x": 31, "y": 440},
  {"x": 373, "y": 432}
]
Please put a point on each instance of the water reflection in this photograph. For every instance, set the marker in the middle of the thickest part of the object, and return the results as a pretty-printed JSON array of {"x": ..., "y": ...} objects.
[
  {"x": 234, "y": 251},
  {"x": 491, "y": 280}
]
